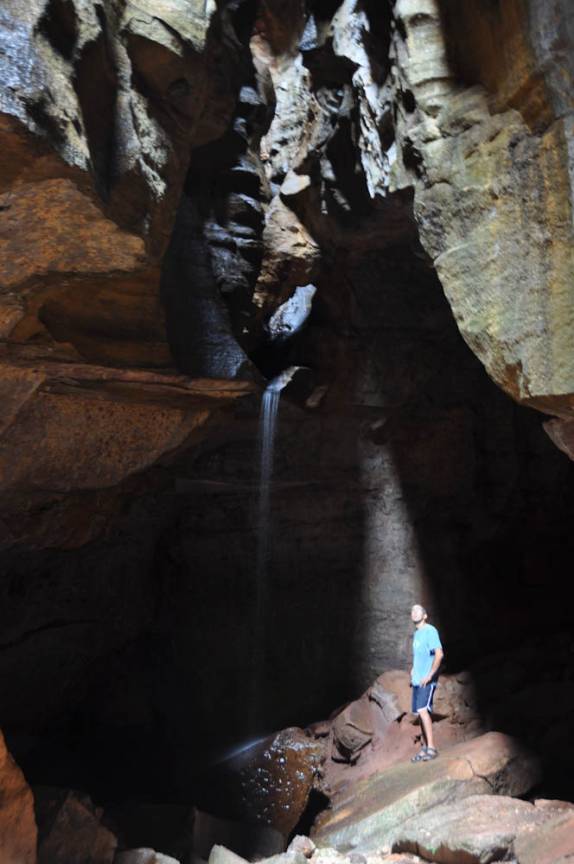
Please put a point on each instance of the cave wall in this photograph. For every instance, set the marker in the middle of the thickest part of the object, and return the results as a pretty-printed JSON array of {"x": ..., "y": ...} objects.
[
  {"x": 170, "y": 180},
  {"x": 484, "y": 123}
]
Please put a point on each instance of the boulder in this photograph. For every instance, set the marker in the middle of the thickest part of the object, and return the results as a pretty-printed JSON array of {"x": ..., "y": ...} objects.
[
  {"x": 269, "y": 782},
  {"x": 302, "y": 844},
  {"x": 18, "y": 833},
  {"x": 475, "y": 830},
  {"x": 369, "y": 717},
  {"x": 70, "y": 829},
  {"x": 250, "y": 840},
  {"x": 367, "y": 815},
  {"x": 331, "y": 856},
  {"x": 143, "y": 856},
  {"x": 151, "y": 825},
  {"x": 552, "y": 843},
  {"x": 221, "y": 855},
  {"x": 352, "y": 729},
  {"x": 378, "y": 729}
]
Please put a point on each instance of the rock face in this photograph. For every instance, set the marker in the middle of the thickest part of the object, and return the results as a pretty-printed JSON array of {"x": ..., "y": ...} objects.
[
  {"x": 553, "y": 843},
  {"x": 99, "y": 112},
  {"x": 478, "y": 830},
  {"x": 370, "y": 815},
  {"x": 71, "y": 829},
  {"x": 18, "y": 832},
  {"x": 143, "y": 856},
  {"x": 266, "y": 784},
  {"x": 490, "y": 164}
]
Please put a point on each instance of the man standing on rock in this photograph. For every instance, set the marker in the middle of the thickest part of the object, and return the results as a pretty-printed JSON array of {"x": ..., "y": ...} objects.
[{"x": 427, "y": 657}]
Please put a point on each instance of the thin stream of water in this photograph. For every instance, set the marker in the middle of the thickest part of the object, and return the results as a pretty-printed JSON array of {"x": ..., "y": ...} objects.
[
  {"x": 266, "y": 453},
  {"x": 267, "y": 424}
]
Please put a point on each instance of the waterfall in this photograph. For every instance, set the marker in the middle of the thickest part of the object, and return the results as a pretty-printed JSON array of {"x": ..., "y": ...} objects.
[{"x": 266, "y": 449}]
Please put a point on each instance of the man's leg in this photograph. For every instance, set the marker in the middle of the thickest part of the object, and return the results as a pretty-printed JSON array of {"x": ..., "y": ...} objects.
[{"x": 426, "y": 723}]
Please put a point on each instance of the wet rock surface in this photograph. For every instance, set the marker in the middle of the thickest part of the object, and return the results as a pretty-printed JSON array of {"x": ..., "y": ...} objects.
[{"x": 269, "y": 783}]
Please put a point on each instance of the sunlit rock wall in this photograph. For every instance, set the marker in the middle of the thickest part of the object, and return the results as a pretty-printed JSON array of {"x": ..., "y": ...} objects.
[
  {"x": 484, "y": 101},
  {"x": 101, "y": 105}
]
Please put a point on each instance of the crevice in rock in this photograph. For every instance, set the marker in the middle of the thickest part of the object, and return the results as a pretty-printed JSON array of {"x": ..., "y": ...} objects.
[
  {"x": 59, "y": 25},
  {"x": 51, "y": 625}
]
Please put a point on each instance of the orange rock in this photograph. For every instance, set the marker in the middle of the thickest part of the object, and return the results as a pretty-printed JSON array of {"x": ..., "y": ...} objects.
[{"x": 18, "y": 833}]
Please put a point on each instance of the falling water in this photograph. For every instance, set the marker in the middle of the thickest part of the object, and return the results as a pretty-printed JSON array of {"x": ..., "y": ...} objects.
[
  {"x": 266, "y": 448},
  {"x": 266, "y": 441}
]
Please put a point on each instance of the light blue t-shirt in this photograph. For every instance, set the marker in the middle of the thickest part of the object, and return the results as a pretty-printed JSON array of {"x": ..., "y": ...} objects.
[{"x": 425, "y": 642}]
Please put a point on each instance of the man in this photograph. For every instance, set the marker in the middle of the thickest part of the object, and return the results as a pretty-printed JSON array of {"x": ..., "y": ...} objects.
[{"x": 427, "y": 657}]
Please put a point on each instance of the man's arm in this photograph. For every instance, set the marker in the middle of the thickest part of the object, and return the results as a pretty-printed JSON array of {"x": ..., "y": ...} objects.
[{"x": 438, "y": 655}]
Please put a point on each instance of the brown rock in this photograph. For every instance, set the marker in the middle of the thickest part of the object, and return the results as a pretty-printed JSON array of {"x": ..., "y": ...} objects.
[
  {"x": 553, "y": 843},
  {"x": 561, "y": 432},
  {"x": 249, "y": 840},
  {"x": 394, "y": 683},
  {"x": 71, "y": 829},
  {"x": 352, "y": 729},
  {"x": 382, "y": 718},
  {"x": 143, "y": 856},
  {"x": 480, "y": 176},
  {"x": 476, "y": 830},
  {"x": 332, "y": 856},
  {"x": 98, "y": 426},
  {"x": 304, "y": 845},
  {"x": 365, "y": 816},
  {"x": 277, "y": 778},
  {"x": 18, "y": 833},
  {"x": 290, "y": 255}
]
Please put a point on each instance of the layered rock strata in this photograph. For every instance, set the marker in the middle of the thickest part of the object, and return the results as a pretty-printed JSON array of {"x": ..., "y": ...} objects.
[{"x": 167, "y": 193}]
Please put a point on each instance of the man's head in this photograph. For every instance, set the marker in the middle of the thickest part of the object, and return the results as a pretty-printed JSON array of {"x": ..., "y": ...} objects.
[{"x": 418, "y": 614}]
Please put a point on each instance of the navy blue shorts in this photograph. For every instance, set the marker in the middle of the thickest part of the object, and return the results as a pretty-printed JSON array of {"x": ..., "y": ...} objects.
[{"x": 422, "y": 697}]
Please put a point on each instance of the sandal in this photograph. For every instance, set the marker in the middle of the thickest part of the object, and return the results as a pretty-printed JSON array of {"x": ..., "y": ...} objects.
[
  {"x": 420, "y": 756},
  {"x": 430, "y": 753}
]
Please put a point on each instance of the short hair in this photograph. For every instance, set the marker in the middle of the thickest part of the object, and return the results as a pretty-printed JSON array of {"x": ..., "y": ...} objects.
[{"x": 419, "y": 606}]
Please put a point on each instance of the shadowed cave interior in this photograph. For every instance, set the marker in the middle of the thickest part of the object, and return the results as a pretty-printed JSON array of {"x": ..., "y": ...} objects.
[
  {"x": 132, "y": 665},
  {"x": 413, "y": 423}
]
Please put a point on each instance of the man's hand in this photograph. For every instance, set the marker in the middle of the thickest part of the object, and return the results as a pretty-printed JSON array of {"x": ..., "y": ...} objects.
[{"x": 439, "y": 654}]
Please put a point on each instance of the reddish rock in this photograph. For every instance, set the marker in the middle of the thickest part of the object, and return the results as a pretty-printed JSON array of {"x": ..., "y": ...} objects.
[
  {"x": 352, "y": 729},
  {"x": 366, "y": 815},
  {"x": 477, "y": 830},
  {"x": 71, "y": 829},
  {"x": 378, "y": 730},
  {"x": 18, "y": 833},
  {"x": 553, "y": 843},
  {"x": 278, "y": 777},
  {"x": 561, "y": 432},
  {"x": 98, "y": 426}
]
